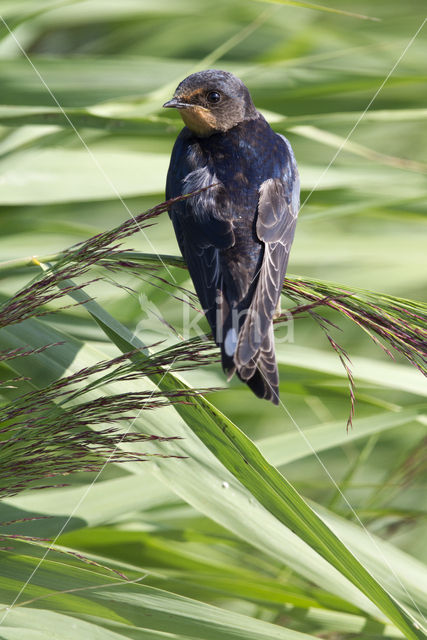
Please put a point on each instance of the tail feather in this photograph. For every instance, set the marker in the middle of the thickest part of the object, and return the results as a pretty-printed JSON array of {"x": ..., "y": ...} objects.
[
  {"x": 260, "y": 373},
  {"x": 248, "y": 349}
]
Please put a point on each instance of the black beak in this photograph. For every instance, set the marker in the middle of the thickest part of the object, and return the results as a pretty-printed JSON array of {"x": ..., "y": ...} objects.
[{"x": 175, "y": 104}]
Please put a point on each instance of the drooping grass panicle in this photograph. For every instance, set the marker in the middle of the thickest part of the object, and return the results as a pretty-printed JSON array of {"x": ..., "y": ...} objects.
[
  {"x": 393, "y": 323},
  {"x": 74, "y": 424},
  {"x": 21, "y": 352},
  {"x": 74, "y": 263},
  {"x": 389, "y": 321}
]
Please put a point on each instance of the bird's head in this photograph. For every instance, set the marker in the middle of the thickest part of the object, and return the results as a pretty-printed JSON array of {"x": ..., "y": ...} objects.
[{"x": 212, "y": 101}]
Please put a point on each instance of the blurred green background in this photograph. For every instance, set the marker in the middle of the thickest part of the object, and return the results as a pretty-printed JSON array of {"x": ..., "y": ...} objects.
[{"x": 65, "y": 176}]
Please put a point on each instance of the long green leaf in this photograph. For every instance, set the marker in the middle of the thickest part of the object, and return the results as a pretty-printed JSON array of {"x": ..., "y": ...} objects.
[
  {"x": 240, "y": 456},
  {"x": 288, "y": 447},
  {"x": 85, "y": 593},
  {"x": 202, "y": 418},
  {"x": 320, "y": 7}
]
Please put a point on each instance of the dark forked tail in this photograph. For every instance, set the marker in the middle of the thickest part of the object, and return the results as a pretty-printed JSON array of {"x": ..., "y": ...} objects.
[{"x": 259, "y": 372}]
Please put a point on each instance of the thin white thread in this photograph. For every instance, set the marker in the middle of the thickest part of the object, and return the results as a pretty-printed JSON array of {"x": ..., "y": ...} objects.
[
  {"x": 104, "y": 585},
  {"x": 360, "y": 118},
  {"x": 337, "y": 487},
  {"x": 116, "y": 192},
  {"x": 371, "y": 538},
  {"x": 282, "y": 404},
  {"x": 80, "y": 501},
  {"x": 358, "y": 121},
  {"x": 90, "y": 152}
]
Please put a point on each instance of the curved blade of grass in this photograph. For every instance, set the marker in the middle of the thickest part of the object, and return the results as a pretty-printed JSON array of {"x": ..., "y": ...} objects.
[
  {"x": 241, "y": 457},
  {"x": 105, "y": 601},
  {"x": 288, "y": 447},
  {"x": 339, "y": 142},
  {"x": 228, "y": 444},
  {"x": 36, "y": 624},
  {"x": 377, "y": 372},
  {"x": 397, "y": 322},
  {"x": 321, "y": 7},
  {"x": 90, "y": 117},
  {"x": 98, "y": 117},
  {"x": 110, "y": 499},
  {"x": 52, "y": 163}
]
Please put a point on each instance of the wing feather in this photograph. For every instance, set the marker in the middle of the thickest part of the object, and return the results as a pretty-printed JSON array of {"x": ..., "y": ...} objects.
[{"x": 277, "y": 215}]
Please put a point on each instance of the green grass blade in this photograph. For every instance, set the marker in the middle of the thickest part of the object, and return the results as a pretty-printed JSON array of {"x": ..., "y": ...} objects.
[
  {"x": 241, "y": 457},
  {"x": 320, "y": 7},
  {"x": 105, "y": 601},
  {"x": 287, "y": 447},
  {"x": 202, "y": 420}
]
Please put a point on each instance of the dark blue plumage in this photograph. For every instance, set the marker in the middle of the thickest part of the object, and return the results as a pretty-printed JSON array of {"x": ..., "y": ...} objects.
[{"x": 236, "y": 235}]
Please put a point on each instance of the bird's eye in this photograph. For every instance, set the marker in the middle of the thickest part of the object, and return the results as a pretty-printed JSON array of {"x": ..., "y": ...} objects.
[{"x": 214, "y": 97}]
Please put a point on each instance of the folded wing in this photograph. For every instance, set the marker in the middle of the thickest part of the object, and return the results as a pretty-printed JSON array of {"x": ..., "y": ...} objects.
[{"x": 277, "y": 215}]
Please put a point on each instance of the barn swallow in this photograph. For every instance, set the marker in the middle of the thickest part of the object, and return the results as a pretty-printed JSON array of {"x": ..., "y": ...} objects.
[{"x": 236, "y": 235}]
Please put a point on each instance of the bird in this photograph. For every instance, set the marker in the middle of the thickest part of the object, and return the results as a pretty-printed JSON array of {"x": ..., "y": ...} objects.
[{"x": 235, "y": 233}]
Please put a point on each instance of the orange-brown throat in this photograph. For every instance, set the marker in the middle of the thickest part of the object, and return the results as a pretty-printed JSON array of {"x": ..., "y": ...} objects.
[{"x": 199, "y": 119}]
